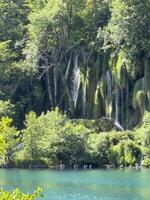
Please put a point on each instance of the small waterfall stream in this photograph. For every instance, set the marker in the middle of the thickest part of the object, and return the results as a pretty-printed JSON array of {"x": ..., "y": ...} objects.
[
  {"x": 122, "y": 107},
  {"x": 84, "y": 98},
  {"x": 75, "y": 81},
  {"x": 117, "y": 105},
  {"x": 144, "y": 90},
  {"x": 109, "y": 93},
  {"x": 55, "y": 84},
  {"x": 117, "y": 121},
  {"x": 84, "y": 94},
  {"x": 68, "y": 68},
  {"x": 127, "y": 105}
]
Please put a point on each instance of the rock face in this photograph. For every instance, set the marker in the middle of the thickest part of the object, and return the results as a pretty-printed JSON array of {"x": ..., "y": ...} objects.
[
  {"x": 100, "y": 125},
  {"x": 91, "y": 85}
]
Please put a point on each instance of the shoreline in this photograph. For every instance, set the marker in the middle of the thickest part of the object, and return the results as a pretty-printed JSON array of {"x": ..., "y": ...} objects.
[{"x": 77, "y": 169}]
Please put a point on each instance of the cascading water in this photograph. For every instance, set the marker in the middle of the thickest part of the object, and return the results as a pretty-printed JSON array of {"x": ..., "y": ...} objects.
[
  {"x": 117, "y": 105},
  {"x": 122, "y": 107},
  {"x": 84, "y": 94},
  {"x": 109, "y": 93},
  {"x": 117, "y": 123},
  {"x": 127, "y": 105},
  {"x": 68, "y": 68},
  {"x": 55, "y": 84},
  {"x": 75, "y": 81}
]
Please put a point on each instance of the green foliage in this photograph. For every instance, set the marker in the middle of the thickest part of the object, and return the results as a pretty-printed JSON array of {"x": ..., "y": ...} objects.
[
  {"x": 9, "y": 136},
  {"x": 41, "y": 39},
  {"x": 117, "y": 148},
  {"x": 142, "y": 132},
  {"x": 146, "y": 162},
  {"x": 6, "y": 109},
  {"x": 18, "y": 195},
  {"x": 129, "y": 24},
  {"x": 37, "y": 133},
  {"x": 51, "y": 137},
  {"x": 98, "y": 147},
  {"x": 44, "y": 45},
  {"x": 1, "y": 145}
]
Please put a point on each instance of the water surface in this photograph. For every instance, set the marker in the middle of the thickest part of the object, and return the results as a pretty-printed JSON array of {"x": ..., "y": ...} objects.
[{"x": 81, "y": 185}]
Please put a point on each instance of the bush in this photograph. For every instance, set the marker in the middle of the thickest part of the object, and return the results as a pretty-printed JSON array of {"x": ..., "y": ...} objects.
[
  {"x": 98, "y": 147},
  {"x": 18, "y": 195},
  {"x": 52, "y": 137},
  {"x": 146, "y": 162}
]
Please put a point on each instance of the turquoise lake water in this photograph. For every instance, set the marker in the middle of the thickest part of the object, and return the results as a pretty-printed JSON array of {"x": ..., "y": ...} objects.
[{"x": 120, "y": 184}]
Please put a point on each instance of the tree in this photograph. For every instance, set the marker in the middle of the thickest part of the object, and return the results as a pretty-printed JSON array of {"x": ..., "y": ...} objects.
[
  {"x": 98, "y": 146},
  {"x": 51, "y": 136},
  {"x": 1, "y": 145},
  {"x": 69, "y": 144},
  {"x": 9, "y": 135},
  {"x": 38, "y": 132},
  {"x": 129, "y": 26},
  {"x": 6, "y": 109}
]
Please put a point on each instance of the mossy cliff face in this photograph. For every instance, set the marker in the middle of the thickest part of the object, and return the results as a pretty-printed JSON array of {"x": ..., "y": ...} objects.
[{"x": 91, "y": 85}]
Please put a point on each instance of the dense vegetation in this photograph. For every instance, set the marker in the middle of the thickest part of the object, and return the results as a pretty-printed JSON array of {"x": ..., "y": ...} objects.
[
  {"x": 90, "y": 58},
  {"x": 51, "y": 140},
  {"x": 87, "y": 58}
]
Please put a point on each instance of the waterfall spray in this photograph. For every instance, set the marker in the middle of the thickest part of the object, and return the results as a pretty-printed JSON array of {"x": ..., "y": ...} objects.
[{"x": 75, "y": 81}]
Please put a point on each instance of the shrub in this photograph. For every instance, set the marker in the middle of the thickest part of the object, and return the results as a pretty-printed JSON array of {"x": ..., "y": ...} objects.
[
  {"x": 146, "y": 162},
  {"x": 18, "y": 195}
]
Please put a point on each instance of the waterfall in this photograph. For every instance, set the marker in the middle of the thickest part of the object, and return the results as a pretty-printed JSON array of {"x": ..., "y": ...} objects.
[
  {"x": 117, "y": 123},
  {"x": 84, "y": 99},
  {"x": 55, "y": 84},
  {"x": 109, "y": 92},
  {"x": 117, "y": 106},
  {"x": 127, "y": 106},
  {"x": 122, "y": 107},
  {"x": 75, "y": 81},
  {"x": 67, "y": 70},
  {"x": 84, "y": 94}
]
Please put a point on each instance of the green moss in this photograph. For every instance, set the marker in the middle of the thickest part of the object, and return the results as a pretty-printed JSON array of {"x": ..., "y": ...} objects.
[
  {"x": 147, "y": 81},
  {"x": 119, "y": 64},
  {"x": 138, "y": 95}
]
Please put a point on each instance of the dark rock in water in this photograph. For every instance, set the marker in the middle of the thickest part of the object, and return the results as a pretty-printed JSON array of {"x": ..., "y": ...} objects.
[{"x": 100, "y": 125}]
